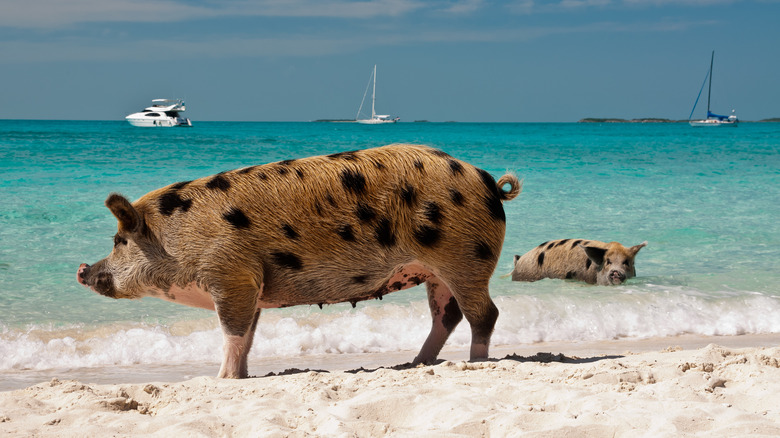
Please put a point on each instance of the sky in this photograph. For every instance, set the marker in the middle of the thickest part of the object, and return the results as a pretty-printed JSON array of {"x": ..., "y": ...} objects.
[{"x": 466, "y": 61}]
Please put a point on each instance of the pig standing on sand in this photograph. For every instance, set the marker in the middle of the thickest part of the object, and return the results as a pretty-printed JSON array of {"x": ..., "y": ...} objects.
[
  {"x": 590, "y": 261},
  {"x": 339, "y": 228}
]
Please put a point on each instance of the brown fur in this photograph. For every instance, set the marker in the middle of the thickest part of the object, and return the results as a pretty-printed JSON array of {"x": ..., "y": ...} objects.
[
  {"x": 590, "y": 261},
  {"x": 340, "y": 228}
]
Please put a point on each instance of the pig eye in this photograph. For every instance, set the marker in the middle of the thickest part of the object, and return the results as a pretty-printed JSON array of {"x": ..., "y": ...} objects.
[
  {"x": 626, "y": 263},
  {"x": 119, "y": 240},
  {"x": 609, "y": 262}
]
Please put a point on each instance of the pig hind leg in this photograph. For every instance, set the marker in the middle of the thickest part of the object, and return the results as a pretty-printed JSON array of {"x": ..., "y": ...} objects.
[
  {"x": 446, "y": 316},
  {"x": 481, "y": 313}
]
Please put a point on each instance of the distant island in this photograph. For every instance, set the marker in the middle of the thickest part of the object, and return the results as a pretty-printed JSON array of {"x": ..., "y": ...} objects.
[
  {"x": 644, "y": 120},
  {"x": 657, "y": 120}
]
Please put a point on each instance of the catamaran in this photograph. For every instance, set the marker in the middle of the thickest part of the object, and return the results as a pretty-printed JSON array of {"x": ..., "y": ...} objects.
[
  {"x": 712, "y": 118},
  {"x": 375, "y": 119}
]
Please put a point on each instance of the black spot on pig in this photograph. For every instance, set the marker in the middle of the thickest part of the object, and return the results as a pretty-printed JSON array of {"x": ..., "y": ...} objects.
[
  {"x": 493, "y": 198},
  {"x": 455, "y": 167},
  {"x": 452, "y": 315},
  {"x": 237, "y": 218},
  {"x": 348, "y": 155},
  {"x": 483, "y": 251},
  {"x": 287, "y": 260},
  {"x": 346, "y": 233},
  {"x": 360, "y": 279},
  {"x": 218, "y": 182},
  {"x": 409, "y": 195},
  {"x": 365, "y": 212},
  {"x": 384, "y": 233},
  {"x": 540, "y": 259},
  {"x": 353, "y": 181},
  {"x": 180, "y": 185},
  {"x": 456, "y": 196},
  {"x": 433, "y": 212},
  {"x": 289, "y": 231},
  {"x": 427, "y": 235},
  {"x": 484, "y": 328},
  {"x": 170, "y": 201}
]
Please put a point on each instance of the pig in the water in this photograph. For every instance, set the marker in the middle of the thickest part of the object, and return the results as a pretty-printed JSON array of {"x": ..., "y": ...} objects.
[
  {"x": 339, "y": 228},
  {"x": 590, "y": 261}
]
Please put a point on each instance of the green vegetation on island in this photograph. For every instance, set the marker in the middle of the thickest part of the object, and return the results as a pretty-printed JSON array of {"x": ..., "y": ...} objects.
[{"x": 616, "y": 120}]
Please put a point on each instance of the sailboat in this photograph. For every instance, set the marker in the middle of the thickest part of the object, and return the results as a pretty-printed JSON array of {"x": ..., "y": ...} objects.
[
  {"x": 375, "y": 119},
  {"x": 712, "y": 118}
]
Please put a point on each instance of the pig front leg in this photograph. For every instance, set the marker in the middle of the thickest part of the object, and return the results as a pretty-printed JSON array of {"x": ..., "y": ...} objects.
[
  {"x": 238, "y": 318},
  {"x": 446, "y": 316}
]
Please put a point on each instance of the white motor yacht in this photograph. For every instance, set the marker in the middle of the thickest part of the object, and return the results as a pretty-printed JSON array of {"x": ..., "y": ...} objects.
[{"x": 163, "y": 112}]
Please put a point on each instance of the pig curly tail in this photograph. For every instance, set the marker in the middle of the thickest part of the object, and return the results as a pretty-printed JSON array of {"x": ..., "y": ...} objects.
[{"x": 515, "y": 187}]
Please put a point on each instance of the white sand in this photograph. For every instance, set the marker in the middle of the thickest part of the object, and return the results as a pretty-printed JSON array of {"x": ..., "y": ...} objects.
[{"x": 622, "y": 388}]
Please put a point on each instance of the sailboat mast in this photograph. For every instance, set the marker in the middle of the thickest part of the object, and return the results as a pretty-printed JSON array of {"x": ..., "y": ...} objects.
[
  {"x": 709, "y": 92},
  {"x": 373, "y": 95}
]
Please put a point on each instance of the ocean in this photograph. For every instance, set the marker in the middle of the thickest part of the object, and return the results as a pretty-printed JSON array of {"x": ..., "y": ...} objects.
[{"x": 707, "y": 201}]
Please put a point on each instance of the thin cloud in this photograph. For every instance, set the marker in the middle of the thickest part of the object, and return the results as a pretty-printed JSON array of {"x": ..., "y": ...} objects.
[
  {"x": 464, "y": 7},
  {"x": 311, "y": 45},
  {"x": 47, "y": 14}
]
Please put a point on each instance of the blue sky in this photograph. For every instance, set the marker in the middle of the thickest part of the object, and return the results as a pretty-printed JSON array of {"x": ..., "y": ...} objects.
[{"x": 469, "y": 61}]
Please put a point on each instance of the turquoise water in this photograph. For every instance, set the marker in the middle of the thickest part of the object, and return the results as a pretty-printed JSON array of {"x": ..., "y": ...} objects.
[{"x": 706, "y": 200}]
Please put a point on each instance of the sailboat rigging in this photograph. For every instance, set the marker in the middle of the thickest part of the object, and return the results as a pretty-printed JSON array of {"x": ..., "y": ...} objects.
[
  {"x": 375, "y": 119},
  {"x": 712, "y": 118}
]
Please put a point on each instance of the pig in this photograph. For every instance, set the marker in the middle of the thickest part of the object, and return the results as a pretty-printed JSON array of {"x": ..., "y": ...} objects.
[
  {"x": 345, "y": 227},
  {"x": 590, "y": 261}
]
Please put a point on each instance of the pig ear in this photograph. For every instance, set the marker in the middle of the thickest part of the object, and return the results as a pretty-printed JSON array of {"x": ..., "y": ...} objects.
[
  {"x": 517, "y": 257},
  {"x": 126, "y": 214},
  {"x": 635, "y": 249},
  {"x": 595, "y": 254}
]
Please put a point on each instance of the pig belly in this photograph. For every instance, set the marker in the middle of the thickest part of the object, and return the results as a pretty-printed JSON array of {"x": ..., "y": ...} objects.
[
  {"x": 400, "y": 278},
  {"x": 403, "y": 277},
  {"x": 191, "y": 295}
]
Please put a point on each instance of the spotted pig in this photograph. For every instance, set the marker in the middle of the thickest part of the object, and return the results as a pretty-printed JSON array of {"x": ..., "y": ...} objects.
[
  {"x": 345, "y": 227},
  {"x": 590, "y": 261}
]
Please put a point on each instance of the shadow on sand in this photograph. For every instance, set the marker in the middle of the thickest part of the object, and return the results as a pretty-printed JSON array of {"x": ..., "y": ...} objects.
[{"x": 537, "y": 358}]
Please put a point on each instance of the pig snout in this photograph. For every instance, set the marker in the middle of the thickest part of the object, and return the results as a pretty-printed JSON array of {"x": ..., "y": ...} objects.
[
  {"x": 83, "y": 268},
  {"x": 617, "y": 277}
]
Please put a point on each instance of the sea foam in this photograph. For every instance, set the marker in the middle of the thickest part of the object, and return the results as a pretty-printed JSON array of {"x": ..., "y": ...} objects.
[{"x": 593, "y": 314}]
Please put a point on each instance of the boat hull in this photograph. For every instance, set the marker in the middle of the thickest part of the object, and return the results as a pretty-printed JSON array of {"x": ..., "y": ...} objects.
[
  {"x": 157, "y": 122},
  {"x": 713, "y": 123},
  {"x": 375, "y": 121}
]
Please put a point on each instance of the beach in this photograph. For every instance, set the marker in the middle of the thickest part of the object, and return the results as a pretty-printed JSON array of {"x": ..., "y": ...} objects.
[{"x": 682, "y": 386}]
